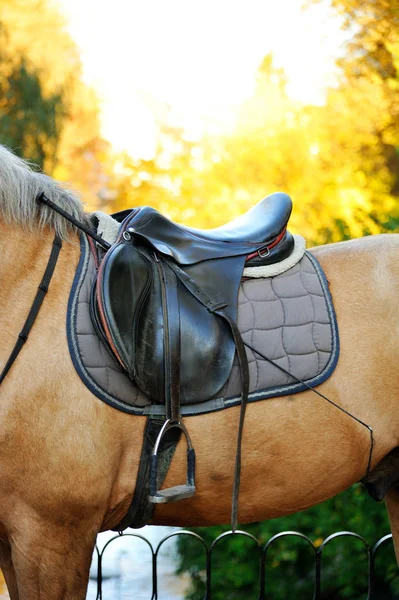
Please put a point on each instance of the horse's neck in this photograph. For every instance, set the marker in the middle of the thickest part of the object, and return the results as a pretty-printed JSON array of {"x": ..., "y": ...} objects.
[{"x": 24, "y": 257}]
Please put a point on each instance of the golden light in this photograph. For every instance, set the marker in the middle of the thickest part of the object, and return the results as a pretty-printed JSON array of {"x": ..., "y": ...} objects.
[{"x": 196, "y": 59}]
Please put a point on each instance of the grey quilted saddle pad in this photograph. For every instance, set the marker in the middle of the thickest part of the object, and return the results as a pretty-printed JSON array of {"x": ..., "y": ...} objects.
[{"x": 288, "y": 318}]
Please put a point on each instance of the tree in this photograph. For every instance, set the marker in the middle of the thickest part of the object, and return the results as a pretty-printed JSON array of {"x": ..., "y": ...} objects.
[
  {"x": 47, "y": 113},
  {"x": 29, "y": 122},
  {"x": 372, "y": 60}
]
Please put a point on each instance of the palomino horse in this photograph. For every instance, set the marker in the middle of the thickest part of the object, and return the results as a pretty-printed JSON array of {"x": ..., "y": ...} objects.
[{"x": 68, "y": 461}]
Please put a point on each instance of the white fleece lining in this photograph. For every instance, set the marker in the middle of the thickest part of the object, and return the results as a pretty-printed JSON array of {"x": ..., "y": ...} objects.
[
  {"x": 107, "y": 227},
  {"x": 283, "y": 265}
]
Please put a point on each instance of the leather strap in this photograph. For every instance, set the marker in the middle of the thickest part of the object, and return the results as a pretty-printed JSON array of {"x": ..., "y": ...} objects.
[
  {"x": 34, "y": 311},
  {"x": 218, "y": 308},
  {"x": 171, "y": 324}
]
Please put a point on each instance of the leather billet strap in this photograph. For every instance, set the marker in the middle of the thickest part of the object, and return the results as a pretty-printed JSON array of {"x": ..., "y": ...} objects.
[
  {"x": 171, "y": 327},
  {"x": 218, "y": 308},
  {"x": 36, "y": 305}
]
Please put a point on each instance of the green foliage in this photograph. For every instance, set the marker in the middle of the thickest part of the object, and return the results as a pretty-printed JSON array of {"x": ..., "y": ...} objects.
[
  {"x": 29, "y": 122},
  {"x": 47, "y": 114},
  {"x": 290, "y": 560},
  {"x": 372, "y": 61}
]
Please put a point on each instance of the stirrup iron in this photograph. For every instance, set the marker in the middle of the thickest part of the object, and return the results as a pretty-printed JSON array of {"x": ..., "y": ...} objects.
[{"x": 177, "y": 492}]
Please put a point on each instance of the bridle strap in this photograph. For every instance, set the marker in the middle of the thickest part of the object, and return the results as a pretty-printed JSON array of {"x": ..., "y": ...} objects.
[{"x": 34, "y": 311}]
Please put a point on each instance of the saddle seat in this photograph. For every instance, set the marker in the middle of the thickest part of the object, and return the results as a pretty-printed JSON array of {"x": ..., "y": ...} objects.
[
  {"x": 258, "y": 227},
  {"x": 263, "y": 221}
]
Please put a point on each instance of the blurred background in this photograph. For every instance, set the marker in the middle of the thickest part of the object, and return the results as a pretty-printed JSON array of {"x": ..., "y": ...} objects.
[{"x": 201, "y": 109}]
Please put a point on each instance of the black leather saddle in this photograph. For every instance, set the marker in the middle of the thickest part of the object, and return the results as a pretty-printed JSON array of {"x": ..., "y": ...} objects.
[
  {"x": 153, "y": 256},
  {"x": 166, "y": 300}
]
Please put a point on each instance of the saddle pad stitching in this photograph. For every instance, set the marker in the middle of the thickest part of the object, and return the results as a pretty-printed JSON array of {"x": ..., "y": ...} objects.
[
  {"x": 252, "y": 339},
  {"x": 283, "y": 390},
  {"x": 268, "y": 329},
  {"x": 314, "y": 334},
  {"x": 293, "y": 388},
  {"x": 216, "y": 403},
  {"x": 104, "y": 353},
  {"x": 330, "y": 308},
  {"x": 107, "y": 374},
  {"x": 259, "y": 328},
  {"x": 283, "y": 327},
  {"x": 313, "y": 321},
  {"x": 331, "y": 329},
  {"x": 296, "y": 296},
  {"x": 331, "y": 364}
]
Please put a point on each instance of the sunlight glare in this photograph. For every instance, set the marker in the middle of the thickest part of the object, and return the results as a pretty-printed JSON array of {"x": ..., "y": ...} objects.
[{"x": 195, "y": 60}]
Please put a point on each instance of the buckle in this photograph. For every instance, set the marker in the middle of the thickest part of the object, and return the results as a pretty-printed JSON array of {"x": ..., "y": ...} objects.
[{"x": 262, "y": 253}]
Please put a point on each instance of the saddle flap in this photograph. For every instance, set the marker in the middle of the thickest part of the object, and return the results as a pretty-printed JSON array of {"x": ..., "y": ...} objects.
[{"x": 129, "y": 298}]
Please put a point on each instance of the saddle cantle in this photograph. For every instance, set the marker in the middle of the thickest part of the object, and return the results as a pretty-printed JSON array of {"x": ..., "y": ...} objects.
[{"x": 143, "y": 297}]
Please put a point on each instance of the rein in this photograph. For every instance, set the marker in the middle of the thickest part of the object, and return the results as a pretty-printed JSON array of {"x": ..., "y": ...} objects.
[
  {"x": 35, "y": 308},
  {"x": 42, "y": 198}
]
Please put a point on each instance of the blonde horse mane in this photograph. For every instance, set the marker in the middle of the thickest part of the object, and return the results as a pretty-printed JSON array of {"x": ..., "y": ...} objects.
[{"x": 20, "y": 185}]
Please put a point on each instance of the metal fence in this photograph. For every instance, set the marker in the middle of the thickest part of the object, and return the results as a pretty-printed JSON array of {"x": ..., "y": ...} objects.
[{"x": 263, "y": 553}]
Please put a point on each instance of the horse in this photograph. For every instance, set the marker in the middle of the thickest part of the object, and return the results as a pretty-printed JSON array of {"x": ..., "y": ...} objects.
[{"x": 68, "y": 461}]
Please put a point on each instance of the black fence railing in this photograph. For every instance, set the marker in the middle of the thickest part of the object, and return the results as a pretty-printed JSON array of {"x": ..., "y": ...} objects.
[{"x": 114, "y": 565}]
